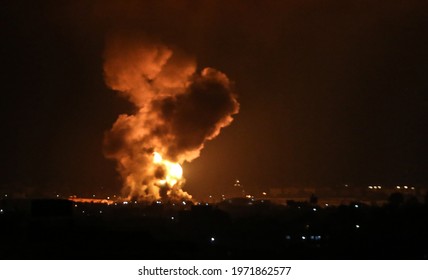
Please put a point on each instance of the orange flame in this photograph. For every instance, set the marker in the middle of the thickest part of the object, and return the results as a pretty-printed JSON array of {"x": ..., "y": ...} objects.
[{"x": 173, "y": 174}]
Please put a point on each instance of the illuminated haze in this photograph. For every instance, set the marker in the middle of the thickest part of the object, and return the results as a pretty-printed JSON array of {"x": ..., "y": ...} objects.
[{"x": 177, "y": 109}]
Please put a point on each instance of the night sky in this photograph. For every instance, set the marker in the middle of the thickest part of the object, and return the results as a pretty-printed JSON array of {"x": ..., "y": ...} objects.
[{"x": 330, "y": 92}]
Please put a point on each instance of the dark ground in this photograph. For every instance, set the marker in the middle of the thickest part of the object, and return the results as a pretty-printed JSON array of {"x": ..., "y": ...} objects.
[{"x": 240, "y": 228}]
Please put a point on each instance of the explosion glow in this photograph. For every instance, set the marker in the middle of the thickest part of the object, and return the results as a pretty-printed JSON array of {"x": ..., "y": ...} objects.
[
  {"x": 173, "y": 171},
  {"x": 177, "y": 110}
]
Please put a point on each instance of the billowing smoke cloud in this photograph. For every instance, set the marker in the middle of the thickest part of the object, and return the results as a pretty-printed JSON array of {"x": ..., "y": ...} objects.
[{"x": 177, "y": 111}]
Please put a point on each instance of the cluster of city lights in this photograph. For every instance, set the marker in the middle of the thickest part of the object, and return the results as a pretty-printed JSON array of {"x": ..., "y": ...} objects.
[
  {"x": 311, "y": 237},
  {"x": 404, "y": 187},
  {"x": 397, "y": 187},
  {"x": 375, "y": 187}
]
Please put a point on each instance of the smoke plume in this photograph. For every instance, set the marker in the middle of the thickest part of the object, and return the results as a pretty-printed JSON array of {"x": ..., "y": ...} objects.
[{"x": 177, "y": 110}]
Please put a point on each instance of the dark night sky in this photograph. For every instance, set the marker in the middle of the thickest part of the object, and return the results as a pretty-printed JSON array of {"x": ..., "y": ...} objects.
[{"x": 331, "y": 91}]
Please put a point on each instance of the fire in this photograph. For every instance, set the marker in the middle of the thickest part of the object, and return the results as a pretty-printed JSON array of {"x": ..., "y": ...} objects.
[
  {"x": 177, "y": 110},
  {"x": 173, "y": 171},
  {"x": 157, "y": 158}
]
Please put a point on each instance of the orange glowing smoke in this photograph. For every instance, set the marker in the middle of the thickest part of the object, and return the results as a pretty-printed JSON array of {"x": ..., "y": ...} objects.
[{"x": 177, "y": 111}]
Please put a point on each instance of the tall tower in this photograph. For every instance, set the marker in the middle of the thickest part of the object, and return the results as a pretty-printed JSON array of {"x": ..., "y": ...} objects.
[{"x": 240, "y": 187}]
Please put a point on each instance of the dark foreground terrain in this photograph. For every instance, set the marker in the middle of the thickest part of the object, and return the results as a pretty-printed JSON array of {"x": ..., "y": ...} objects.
[{"x": 232, "y": 229}]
